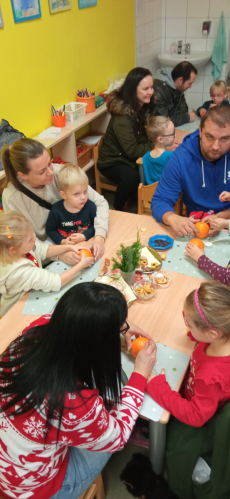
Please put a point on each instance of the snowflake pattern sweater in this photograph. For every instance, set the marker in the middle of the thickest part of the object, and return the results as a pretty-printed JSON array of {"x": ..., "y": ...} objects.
[{"x": 32, "y": 467}]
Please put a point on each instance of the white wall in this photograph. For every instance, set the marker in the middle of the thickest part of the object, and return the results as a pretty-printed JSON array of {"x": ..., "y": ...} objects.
[
  {"x": 148, "y": 15},
  {"x": 160, "y": 22},
  {"x": 183, "y": 21}
]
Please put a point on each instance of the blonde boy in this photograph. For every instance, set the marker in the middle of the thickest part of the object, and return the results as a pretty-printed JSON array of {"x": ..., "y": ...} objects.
[
  {"x": 71, "y": 220},
  {"x": 218, "y": 94},
  {"x": 161, "y": 132}
]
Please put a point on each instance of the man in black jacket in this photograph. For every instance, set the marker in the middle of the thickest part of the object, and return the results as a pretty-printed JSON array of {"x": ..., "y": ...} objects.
[{"x": 169, "y": 90}]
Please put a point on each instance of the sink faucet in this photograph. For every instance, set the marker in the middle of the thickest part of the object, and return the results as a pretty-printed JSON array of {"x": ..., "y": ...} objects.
[{"x": 187, "y": 48}]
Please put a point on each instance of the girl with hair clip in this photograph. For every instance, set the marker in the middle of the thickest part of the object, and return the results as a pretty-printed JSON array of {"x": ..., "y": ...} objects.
[
  {"x": 21, "y": 256},
  {"x": 207, "y": 384},
  {"x": 31, "y": 188},
  {"x": 61, "y": 405}
]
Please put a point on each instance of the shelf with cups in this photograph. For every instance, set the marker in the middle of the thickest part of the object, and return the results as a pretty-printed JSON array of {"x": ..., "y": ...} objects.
[{"x": 65, "y": 145}]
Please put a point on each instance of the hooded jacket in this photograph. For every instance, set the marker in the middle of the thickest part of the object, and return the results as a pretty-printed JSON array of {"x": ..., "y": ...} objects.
[
  {"x": 124, "y": 142},
  {"x": 168, "y": 100},
  {"x": 23, "y": 275},
  {"x": 200, "y": 181}
]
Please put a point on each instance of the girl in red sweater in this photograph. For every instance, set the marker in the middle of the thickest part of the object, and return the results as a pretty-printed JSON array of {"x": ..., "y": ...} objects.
[
  {"x": 207, "y": 384},
  {"x": 62, "y": 411}
]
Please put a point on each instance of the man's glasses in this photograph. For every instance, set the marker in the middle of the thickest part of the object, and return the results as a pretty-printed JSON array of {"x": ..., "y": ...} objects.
[
  {"x": 125, "y": 329},
  {"x": 170, "y": 134}
]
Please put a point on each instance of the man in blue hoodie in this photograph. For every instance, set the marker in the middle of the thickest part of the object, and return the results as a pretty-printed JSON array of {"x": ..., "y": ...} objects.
[{"x": 200, "y": 168}]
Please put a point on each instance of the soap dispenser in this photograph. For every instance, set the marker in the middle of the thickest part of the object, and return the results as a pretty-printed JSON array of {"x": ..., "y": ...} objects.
[{"x": 179, "y": 49}]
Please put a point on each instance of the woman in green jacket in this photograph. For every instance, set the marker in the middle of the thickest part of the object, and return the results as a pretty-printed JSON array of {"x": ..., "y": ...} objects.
[{"x": 125, "y": 139}]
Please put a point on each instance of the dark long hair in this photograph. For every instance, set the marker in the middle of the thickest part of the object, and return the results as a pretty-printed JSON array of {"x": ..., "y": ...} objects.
[
  {"x": 128, "y": 93},
  {"x": 79, "y": 347}
]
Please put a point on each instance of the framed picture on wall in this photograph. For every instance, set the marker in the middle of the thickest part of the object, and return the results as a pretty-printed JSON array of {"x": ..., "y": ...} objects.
[
  {"x": 86, "y": 3},
  {"x": 1, "y": 19},
  {"x": 25, "y": 10},
  {"x": 59, "y": 5}
]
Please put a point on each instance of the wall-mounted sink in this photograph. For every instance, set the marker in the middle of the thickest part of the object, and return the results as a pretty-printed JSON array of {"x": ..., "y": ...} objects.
[{"x": 198, "y": 59}]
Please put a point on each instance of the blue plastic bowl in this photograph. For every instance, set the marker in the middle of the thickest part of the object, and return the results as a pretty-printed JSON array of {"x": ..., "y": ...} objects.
[{"x": 152, "y": 242}]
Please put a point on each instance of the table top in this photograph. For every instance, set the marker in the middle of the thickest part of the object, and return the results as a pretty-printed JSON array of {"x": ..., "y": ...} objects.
[
  {"x": 190, "y": 127},
  {"x": 161, "y": 317}
]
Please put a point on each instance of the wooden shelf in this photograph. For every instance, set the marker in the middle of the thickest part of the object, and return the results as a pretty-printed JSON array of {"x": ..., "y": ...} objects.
[
  {"x": 65, "y": 145},
  {"x": 88, "y": 166}
]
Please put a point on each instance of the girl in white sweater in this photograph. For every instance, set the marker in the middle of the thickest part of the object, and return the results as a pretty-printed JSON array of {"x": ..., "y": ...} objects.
[{"x": 21, "y": 256}]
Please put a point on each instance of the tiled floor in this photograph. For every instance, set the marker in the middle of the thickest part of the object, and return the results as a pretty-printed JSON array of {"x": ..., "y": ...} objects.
[{"x": 114, "y": 488}]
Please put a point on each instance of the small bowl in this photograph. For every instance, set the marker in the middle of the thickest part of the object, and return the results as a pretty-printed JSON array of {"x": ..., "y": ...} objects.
[
  {"x": 166, "y": 274},
  {"x": 167, "y": 239},
  {"x": 140, "y": 284}
]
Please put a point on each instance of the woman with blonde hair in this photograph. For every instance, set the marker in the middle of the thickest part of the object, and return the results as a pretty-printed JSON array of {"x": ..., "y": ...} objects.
[{"x": 21, "y": 256}]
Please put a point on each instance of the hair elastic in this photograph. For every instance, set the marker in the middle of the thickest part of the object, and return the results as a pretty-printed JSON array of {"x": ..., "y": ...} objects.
[
  {"x": 200, "y": 311},
  {"x": 8, "y": 233}
]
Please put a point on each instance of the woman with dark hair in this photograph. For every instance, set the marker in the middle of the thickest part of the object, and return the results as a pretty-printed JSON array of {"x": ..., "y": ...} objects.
[
  {"x": 125, "y": 139},
  {"x": 62, "y": 411}
]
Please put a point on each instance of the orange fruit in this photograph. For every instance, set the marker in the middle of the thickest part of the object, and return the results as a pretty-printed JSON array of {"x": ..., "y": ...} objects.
[
  {"x": 203, "y": 229},
  {"x": 137, "y": 345},
  {"x": 86, "y": 251},
  {"x": 198, "y": 242}
]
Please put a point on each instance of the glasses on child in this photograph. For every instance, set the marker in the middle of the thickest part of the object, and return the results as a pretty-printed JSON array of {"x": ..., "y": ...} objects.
[
  {"x": 216, "y": 95},
  {"x": 125, "y": 329},
  {"x": 170, "y": 134}
]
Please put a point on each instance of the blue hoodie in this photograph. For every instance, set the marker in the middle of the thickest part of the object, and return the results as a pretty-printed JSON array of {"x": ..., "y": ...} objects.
[{"x": 200, "y": 181}]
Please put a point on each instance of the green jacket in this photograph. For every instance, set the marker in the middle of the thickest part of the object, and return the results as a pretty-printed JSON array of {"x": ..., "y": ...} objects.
[
  {"x": 185, "y": 444},
  {"x": 123, "y": 141}
]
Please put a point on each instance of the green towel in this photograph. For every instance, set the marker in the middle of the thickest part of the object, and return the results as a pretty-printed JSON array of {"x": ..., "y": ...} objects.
[{"x": 219, "y": 55}]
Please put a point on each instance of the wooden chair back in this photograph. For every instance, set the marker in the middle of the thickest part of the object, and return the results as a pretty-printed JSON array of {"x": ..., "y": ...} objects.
[
  {"x": 101, "y": 181},
  {"x": 145, "y": 194},
  {"x": 95, "y": 490}
]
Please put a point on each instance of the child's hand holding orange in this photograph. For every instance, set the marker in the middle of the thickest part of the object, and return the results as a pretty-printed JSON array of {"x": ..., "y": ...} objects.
[
  {"x": 86, "y": 261},
  {"x": 218, "y": 223},
  {"x": 146, "y": 359},
  {"x": 224, "y": 196},
  {"x": 193, "y": 251}
]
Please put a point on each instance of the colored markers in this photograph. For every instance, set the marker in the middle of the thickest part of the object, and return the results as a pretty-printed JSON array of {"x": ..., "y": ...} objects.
[
  {"x": 85, "y": 93},
  {"x": 59, "y": 112}
]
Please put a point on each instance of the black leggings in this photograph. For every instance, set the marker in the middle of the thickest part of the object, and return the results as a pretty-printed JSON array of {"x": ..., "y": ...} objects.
[{"x": 127, "y": 178}]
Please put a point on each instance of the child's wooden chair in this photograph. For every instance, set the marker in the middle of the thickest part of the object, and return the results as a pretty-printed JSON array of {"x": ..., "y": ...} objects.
[
  {"x": 101, "y": 181},
  {"x": 95, "y": 490},
  {"x": 145, "y": 194}
]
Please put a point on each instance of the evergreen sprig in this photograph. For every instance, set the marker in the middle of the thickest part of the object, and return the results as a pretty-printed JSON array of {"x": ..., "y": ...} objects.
[{"x": 130, "y": 256}]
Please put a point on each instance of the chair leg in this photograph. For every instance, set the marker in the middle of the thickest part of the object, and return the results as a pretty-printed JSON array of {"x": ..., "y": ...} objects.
[{"x": 100, "y": 493}]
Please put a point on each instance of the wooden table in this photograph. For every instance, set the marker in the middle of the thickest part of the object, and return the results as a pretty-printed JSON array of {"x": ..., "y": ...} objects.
[{"x": 160, "y": 318}]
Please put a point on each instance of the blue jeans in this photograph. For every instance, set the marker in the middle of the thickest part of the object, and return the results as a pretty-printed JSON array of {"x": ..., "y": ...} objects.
[{"x": 83, "y": 467}]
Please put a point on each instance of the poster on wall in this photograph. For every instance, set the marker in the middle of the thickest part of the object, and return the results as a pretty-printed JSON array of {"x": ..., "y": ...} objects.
[
  {"x": 1, "y": 19},
  {"x": 25, "y": 10},
  {"x": 59, "y": 5},
  {"x": 86, "y": 3}
]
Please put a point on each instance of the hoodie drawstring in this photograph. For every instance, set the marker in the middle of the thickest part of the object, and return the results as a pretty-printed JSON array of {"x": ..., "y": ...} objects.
[
  {"x": 203, "y": 174},
  {"x": 225, "y": 167},
  {"x": 225, "y": 170}
]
